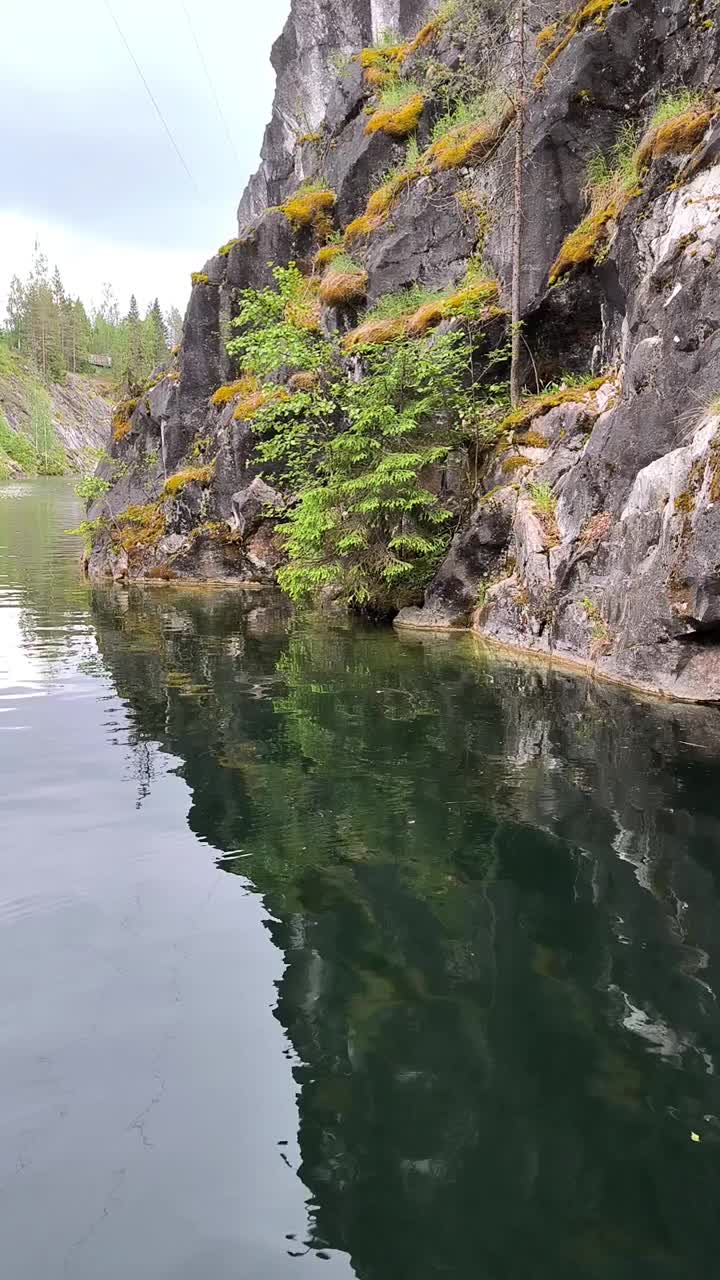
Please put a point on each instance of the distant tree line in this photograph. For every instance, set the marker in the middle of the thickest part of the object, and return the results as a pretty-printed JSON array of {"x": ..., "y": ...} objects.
[{"x": 54, "y": 331}]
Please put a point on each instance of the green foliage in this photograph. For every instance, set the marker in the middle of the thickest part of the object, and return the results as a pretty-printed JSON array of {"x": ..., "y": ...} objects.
[
  {"x": 88, "y": 530},
  {"x": 470, "y": 111},
  {"x": 543, "y": 498},
  {"x": 51, "y": 459},
  {"x": 17, "y": 447},
  {"x": 357, "y": 456},
  {"x": 54, "y": 335},
  {"x": 672, "y": 105},
  {"x": 610, "y": 177},
  {"x": 295, "y": 433},
  {"x": 278, "y": 327},
  {"x": 368, "y": 525},
  {"x": 398, "y": 93},
  {"x": 91, "y": 487},
  {"x": 37, "y": 451}
]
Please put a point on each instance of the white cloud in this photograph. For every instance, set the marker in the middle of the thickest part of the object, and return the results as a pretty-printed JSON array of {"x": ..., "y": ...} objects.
[
  {"x": 87, "y": 167},
  {"x": 86, "y": 262}
]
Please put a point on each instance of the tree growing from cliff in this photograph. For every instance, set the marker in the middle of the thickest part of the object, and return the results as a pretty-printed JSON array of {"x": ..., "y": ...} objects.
[{"x": 370, "y": 524}]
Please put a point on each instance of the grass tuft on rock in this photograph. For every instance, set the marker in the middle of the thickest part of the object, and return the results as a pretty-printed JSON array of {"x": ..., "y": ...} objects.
[
  {"x": 325, "y": 256},
  {"x": 611, "y": 183},
  {"x": 344, "y": 283},
  {"x": 676, "y": 127},
  {"x": 412, "y": 313},
  {"x": 309, "y": 206},
  {"x": 399, "y": 110}
]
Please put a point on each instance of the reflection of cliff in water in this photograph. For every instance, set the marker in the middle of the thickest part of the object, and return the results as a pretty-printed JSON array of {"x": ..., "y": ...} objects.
[{"x": 495, "y": 889}]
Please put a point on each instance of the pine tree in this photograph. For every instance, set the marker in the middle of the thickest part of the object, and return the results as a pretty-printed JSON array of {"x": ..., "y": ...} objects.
[
  {"x": 173, "y": 325},
  {"x": 160, "y": 348},
  {"x": 132, "y": 361},
  {"x": 16, "y": 305}
]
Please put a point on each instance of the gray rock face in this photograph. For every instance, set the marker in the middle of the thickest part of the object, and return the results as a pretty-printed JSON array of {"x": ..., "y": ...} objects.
[
  {"x": 80, "y": 417},
  {"x": 596, "y": 539},
  {"x": 318, "y": 38},
  {"x": 251, "y": 505}
]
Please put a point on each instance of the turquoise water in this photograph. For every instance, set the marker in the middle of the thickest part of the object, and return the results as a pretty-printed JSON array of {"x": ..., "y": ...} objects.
[{"x": 325, "y": 951}]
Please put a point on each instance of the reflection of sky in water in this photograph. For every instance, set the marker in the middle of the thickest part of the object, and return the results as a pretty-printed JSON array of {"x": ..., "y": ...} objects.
[{"x": 19, "y": 668}]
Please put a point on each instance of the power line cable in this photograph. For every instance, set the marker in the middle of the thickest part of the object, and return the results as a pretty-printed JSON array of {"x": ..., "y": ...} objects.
[
  {"x": 152, "y": 98},
  {"x": 211, "y": 85}
]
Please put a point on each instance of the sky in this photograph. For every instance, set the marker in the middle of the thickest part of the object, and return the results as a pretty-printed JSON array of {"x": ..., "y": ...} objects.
[{"x": 87, "y": 167}]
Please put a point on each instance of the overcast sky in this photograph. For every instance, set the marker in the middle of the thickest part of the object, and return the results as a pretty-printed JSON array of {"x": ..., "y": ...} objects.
[{"x": 87, "y": 167}]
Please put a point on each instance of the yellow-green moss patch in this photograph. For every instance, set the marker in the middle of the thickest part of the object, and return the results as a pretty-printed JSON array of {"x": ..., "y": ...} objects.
[
  {"x": 677, "y": 136},
  {"x": 251, "y": 404},
  {"x": 121, "y": 419},
  {"x": 309, "y": 206},
  {"x": 243, "y": 386},
  {"x": 199, "y": 277},
  {"x": 536, "y": 405},
  {"x": 587, "y": 11},
  {"x": 379, "y": 205},
  {"x": 475, "y": 299},
  {"x": 397, "y": 121},
  {"x": 139, "y": 527},
  {"x": 469, "y": 142},
  {"x": 193, "y": 475}
]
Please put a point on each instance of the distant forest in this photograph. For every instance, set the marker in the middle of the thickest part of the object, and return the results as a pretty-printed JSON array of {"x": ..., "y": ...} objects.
[{"x": 55, "y": 333}]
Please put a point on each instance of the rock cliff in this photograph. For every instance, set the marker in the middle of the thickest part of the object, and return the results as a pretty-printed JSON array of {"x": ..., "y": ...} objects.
[
  {"x": 582, "y": 523},
  {"x": 50, "y": 428}
]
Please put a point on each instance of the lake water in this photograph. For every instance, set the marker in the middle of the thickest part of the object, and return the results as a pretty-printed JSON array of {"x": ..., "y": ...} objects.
[{"x": 325, "y": 951}]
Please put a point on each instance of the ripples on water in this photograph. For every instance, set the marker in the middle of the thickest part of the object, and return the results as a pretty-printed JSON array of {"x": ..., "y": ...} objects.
[{"x": 327, "y": 951}]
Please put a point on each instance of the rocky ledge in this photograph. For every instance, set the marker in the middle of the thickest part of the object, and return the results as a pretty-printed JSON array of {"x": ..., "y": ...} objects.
[{"x": 587, "y": 518}]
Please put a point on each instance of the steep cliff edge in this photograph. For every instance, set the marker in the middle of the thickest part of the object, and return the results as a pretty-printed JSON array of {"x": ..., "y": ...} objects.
[{"x": 586, "y": 522}]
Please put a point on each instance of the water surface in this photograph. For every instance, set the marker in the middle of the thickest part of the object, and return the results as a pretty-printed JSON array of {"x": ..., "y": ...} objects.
[{"x": 328, "y": 952}]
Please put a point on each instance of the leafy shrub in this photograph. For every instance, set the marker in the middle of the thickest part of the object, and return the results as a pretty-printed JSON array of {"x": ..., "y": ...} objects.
[
  {"x": 90, "y": 488},
  {"x": 279, "y": 327},
  {"x": 18, "y": 447}
]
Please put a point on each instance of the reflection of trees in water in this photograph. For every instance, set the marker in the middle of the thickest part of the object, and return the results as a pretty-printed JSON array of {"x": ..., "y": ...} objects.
[{"x": 495, "y": 891}]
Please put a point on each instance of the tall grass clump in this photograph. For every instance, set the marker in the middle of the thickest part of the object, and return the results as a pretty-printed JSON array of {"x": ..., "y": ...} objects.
[{"x": 610, "y": 183}]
